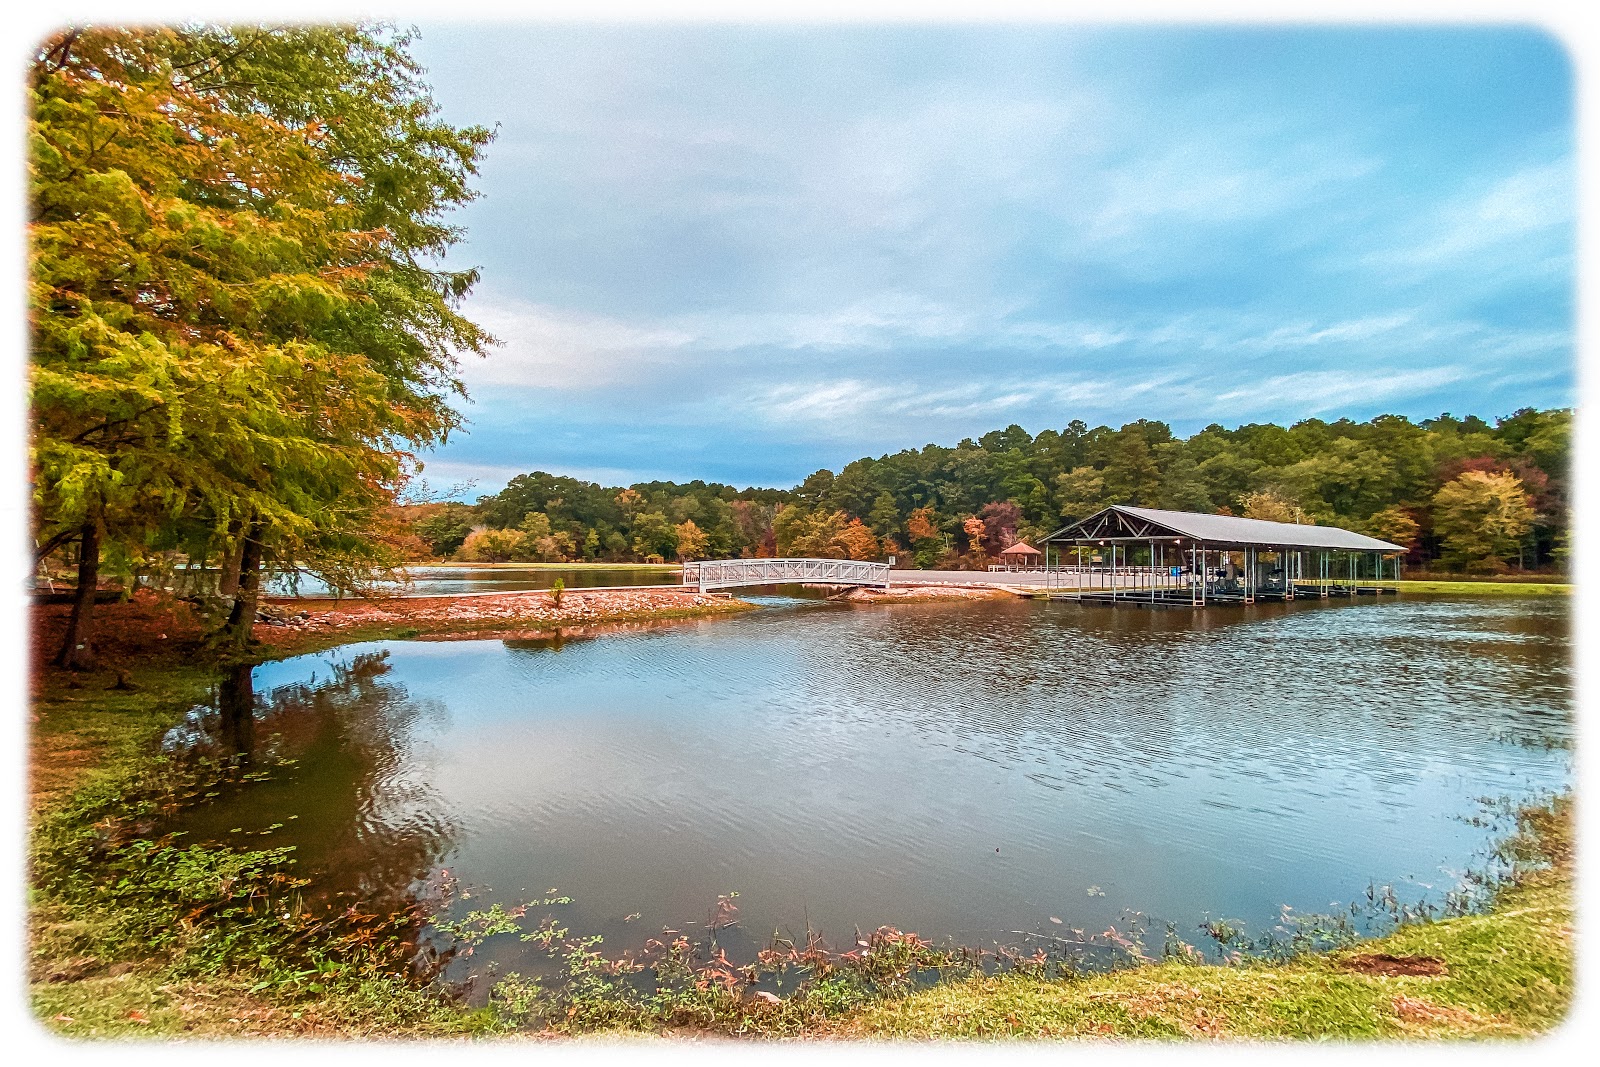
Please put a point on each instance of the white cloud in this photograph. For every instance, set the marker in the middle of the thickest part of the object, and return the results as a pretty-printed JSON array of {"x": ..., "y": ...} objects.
[
  {"x": 555, "y": 348},
  {"x": 1321, "y": 391},
  {"x": 1481, "y": 228}
]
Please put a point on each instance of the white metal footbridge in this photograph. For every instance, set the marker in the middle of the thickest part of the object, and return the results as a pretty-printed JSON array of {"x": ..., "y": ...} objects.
[{"x": 729, "y": 573}]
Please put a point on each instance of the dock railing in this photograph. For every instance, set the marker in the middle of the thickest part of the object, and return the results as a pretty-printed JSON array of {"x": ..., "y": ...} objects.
[{"x": 729, "y": 573}]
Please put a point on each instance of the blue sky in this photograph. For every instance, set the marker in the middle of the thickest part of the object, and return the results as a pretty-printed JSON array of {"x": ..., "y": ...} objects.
[{"x": 744, "y": 253}]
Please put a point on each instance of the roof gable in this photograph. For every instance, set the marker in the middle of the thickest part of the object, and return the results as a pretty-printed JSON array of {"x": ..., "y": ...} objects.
[{"x": 1127, "y": 522}]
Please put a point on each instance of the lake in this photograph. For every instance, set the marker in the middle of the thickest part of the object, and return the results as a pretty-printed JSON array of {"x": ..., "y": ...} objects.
[{"x": 968, "y": 771}]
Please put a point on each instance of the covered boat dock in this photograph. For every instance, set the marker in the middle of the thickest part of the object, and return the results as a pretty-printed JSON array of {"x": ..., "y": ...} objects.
[{"x": 1124, "y": 554}]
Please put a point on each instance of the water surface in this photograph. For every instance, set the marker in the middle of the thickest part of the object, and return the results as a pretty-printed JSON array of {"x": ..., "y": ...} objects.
[{"x": 965, "y": 770}]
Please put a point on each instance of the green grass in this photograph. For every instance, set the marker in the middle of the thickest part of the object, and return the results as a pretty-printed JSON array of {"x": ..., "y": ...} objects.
[{"x": 1480, "y": 588}]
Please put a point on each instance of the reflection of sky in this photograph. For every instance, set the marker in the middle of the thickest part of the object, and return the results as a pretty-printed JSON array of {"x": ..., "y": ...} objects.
[
  {"x": 844, "y": 766},
  {"x": 744, "y": 253}
]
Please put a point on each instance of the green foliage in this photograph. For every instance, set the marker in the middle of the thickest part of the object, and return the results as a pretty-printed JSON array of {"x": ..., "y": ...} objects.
[
  {"x": 446, "y": 529},
  {"x": 1376, "y": 475},
  {"x": 654, "y": 535},
  {"x": 240, "y": 330}
]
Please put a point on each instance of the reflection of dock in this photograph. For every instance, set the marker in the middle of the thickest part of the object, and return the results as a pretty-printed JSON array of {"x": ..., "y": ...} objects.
[{"x": 1146, "y": 557}]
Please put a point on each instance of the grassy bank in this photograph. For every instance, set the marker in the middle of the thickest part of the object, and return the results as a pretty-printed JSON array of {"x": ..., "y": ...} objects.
[{"x": 1470, "y": 587}]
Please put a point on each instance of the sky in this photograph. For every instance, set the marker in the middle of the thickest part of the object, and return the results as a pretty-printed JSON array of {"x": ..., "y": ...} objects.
[{"x": 746, "y": 253}]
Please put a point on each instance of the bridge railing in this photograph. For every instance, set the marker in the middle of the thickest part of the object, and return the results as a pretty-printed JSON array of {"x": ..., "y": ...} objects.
[{"x": 727, "y": 573}]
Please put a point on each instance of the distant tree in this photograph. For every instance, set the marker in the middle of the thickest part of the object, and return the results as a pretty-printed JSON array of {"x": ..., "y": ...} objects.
[
  {"x": 1131, "y": 475},
  {"x": 485, "y": 545},
  {"x": 884, "y": 518},
  {"x": 1080, "y": 493},
  {"x": 1227, "y": 469},
  {"x": 856, "y": 541},
  {"x": 1000, "y": 521},
  {"x": 975, "y": 531},
  {"x": 591, "y": 544},
  {"x": 691, "y": 541},
  {"x": 822, "y": 534},
  {"x": 752, "y": 520},
  {"x": 1182, "y": 487},
  {"x": 813, "y": 492},
  {"x": 629, "y": 501},
  {"x": 553, "y": 547},
  {"x": 445, "y": 530},
  {"x": 1395, "y": 525},
  {"x": 1269, "y": 505},
  {"x": 926, "y": 542},
  {"x": 654, "y": 535},
  {"x": 1482, "y": 518}
]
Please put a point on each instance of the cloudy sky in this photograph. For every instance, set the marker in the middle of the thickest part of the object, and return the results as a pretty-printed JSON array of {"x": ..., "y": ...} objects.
[{"x": 746, "y": 253}]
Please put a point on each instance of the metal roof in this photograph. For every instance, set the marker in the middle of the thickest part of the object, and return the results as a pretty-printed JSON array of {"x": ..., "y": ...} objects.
[{"x": 1232, "y": 530}]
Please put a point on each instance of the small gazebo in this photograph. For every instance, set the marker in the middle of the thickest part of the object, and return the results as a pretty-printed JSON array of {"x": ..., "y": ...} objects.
[{"x": 1021, "y": 554}]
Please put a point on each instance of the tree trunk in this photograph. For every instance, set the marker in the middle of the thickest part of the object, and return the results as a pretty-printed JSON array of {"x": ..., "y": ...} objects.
[
  {"x": 243, "y": 615},
  {"x": 232, "y": 560},
  {"x": 237, "y": 706},
  {"x": 77, "y": 651}
]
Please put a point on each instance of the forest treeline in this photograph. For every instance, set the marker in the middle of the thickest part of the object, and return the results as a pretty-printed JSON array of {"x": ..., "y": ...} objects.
[{"x": 1461, "y": 493}]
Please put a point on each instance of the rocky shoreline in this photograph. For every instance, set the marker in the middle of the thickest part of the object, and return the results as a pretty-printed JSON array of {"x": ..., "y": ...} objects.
[{"x": 535, "y": 610}]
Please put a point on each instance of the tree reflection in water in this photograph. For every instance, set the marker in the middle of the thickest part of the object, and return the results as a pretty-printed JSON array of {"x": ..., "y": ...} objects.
[{"x": 335, "y": 768}]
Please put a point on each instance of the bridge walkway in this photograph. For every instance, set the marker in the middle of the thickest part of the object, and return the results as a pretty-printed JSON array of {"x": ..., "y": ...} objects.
[{"x": 710, "y": 574}]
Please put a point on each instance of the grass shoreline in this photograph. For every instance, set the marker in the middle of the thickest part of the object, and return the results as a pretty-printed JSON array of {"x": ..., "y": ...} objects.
[
  {"x": 1477, "y": 588},
  {"x": 118, "y": 962}
]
